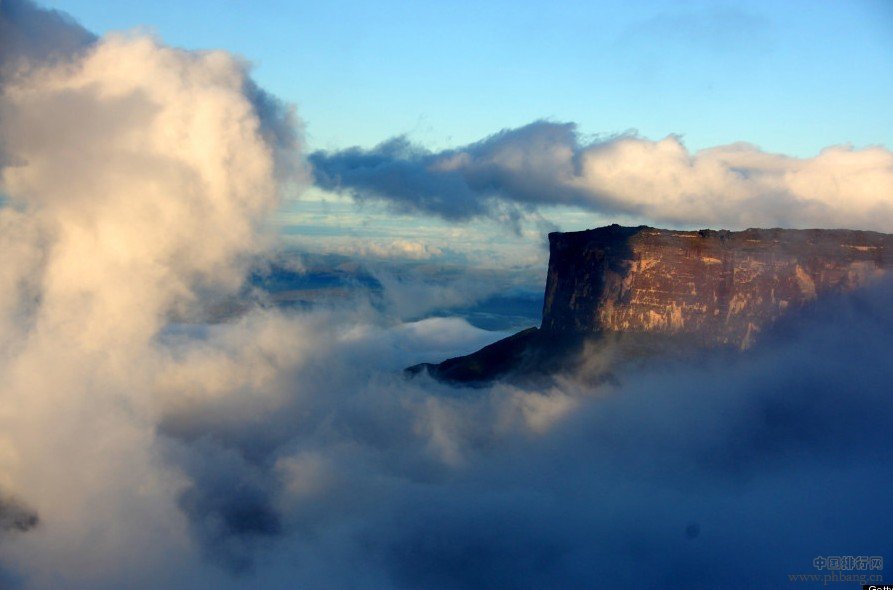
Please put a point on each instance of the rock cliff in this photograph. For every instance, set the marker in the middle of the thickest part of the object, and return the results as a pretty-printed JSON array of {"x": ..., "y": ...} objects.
[
  {"x": 651, "y": 287},
  {"x": 717, "y": 287}
]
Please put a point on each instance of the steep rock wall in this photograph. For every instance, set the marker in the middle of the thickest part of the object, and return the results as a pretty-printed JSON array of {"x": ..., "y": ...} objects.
[{"x": 719, "y": 287}]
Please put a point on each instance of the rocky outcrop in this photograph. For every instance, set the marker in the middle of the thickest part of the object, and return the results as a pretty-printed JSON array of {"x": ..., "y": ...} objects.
[
  {"x": 649, "y": 290},
  {"x": 716, "y": 287}
]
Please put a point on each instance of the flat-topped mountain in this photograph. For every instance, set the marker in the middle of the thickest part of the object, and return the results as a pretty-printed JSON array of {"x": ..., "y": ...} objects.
[
  {"x": 648, "y": 287},
  {"x": 719, "y": 287}
]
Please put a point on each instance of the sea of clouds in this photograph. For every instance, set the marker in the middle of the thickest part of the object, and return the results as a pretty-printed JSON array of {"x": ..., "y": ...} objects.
[{"x": 286, "y": 449}]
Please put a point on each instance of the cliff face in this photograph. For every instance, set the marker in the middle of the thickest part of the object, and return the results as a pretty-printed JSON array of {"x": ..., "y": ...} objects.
[
  {"x": 714, "y": 287},
  {"x": 633, "y": 292}
]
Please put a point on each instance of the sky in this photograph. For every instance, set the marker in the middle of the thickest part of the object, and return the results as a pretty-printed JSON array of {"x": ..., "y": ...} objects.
[
  {"x": 164, "y": 424},
  {"x": 790, "y": 77}
]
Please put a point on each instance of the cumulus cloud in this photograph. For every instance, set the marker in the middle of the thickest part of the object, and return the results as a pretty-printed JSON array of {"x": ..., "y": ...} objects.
[
  {"x": 542, "y": 164},
  {"x": 137, "y": 180}
]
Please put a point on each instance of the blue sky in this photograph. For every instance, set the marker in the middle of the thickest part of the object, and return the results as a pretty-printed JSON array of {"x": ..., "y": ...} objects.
[{"x": 791, "y": 77}]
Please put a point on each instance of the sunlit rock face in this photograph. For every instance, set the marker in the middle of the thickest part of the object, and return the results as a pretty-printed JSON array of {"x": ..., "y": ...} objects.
[
  {"x": 714, "y": 287},
  {"x": 616, "y": 295}
]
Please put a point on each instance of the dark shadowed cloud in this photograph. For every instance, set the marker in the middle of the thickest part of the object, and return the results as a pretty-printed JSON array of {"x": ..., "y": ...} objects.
[
  {"x": 15, "y": 516},
  {"x": 397, "y": 171},
  {"x": 31, "y": 33}
]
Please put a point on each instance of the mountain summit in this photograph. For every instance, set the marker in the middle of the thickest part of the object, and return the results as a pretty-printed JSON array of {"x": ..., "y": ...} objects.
[{"x": 648, "y": 290}]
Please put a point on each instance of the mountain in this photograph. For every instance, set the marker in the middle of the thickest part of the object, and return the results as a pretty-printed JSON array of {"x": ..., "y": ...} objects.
[{"x": 638, "y": 291}]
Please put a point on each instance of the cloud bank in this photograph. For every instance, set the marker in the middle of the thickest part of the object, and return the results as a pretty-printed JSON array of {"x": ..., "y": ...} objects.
[
  {"x": 545, "y": 164},
  {"x": 317, "y": 462}
]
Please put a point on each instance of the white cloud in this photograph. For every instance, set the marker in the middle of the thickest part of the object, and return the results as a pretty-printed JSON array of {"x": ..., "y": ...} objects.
[
  {"x": 137, "y": 177},
  {"x": 545, "y": 164}
]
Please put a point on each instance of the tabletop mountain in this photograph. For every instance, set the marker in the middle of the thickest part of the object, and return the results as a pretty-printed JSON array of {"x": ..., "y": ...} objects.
[{"x": 642, "y": 290}]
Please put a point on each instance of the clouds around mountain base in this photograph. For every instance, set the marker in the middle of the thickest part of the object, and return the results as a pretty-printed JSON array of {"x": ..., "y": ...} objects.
[{"x": 283, "y": 449}]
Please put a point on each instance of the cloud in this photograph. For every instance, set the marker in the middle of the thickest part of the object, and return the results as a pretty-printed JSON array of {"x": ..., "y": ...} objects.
[
  {"x": 398, "y": 171},
  {"x": 284, "y": 448},
  {"x": 390, "y": 248},
  {"x": 16, "y": 517},
  {"x": 28, "y": 33},
  {"x": 675, "y": 475},
  {"x": 138, "y": 179},
  {"x": 547, "y": 164},
  {"x": 31, "y": 33}
]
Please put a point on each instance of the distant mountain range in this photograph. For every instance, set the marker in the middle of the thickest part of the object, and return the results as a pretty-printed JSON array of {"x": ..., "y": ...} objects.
[{"x": 638, "y": 291}]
